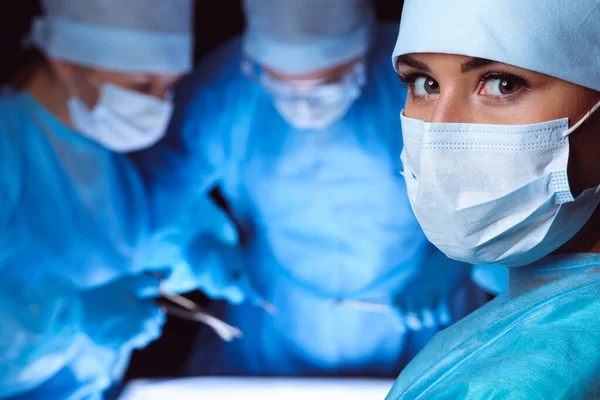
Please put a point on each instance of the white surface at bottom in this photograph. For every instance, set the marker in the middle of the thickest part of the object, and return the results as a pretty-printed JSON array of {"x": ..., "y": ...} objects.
[{"x": 257, "y": 388}]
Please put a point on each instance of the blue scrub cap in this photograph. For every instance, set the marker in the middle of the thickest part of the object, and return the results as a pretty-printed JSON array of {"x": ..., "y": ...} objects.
[
  {"x": 560, "y": 38},
  {"x": 305, "y": 36},
  {"x": 121, "y": 35}
]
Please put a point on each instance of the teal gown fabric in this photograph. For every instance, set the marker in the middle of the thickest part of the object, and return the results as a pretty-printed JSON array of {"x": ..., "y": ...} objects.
[{"x": 531, "y": 343}]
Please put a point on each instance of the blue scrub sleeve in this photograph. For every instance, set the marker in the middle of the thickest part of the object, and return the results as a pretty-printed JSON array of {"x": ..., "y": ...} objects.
[
  {"x": 11, "y": 178},
  {"x": 39, "y": 327},
  {"x": 39, "y": 321}
]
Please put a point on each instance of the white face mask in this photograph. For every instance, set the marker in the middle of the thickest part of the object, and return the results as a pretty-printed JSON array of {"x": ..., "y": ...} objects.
[
  {"x": 315, "y": 105},
  {"x": 494, "y": 194},
  {"x": 123, "y": 120}
]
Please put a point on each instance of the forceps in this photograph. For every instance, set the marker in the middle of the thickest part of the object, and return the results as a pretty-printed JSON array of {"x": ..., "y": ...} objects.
[
  {"x": 426, "y": 318},
  {"x": 184, "y": 308},
  {"x": 374, "y": 306}
]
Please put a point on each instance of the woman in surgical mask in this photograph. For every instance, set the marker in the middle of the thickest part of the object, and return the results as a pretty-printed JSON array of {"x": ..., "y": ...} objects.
[
  {"x": 122, "y": 112},
  {"x": 74, "y": 223},
  {"x": 501, "y": 161}
]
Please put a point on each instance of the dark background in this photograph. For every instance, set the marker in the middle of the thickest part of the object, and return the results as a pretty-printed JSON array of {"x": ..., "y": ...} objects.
[{"x": 216, "y": 21}]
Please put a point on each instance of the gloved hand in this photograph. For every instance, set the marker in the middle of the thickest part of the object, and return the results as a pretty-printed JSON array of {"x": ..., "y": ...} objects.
[
  {"x": 179, "y": 226},
  {"x": 426, "y": 300},
  {"x": 213, "y": 267},
  {"x": 115, "y": 317},
  {"x": 220, "y": 271}
]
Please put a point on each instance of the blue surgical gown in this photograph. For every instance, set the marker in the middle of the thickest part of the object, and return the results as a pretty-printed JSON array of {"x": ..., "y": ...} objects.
[
  {"x": 326, "y": 216},
  {"x": 72, "y": 212},
  {"x": 541, "y": 344}
]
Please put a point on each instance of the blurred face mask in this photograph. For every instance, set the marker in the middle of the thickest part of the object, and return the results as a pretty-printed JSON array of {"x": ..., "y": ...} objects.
[
  {"x": 123, "y": 120},
  {"x": 494, "y": 194},
  {"x": 315, "y": 105}
]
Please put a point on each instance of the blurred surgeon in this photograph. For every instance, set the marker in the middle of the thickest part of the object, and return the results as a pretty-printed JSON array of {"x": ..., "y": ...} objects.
[
  {"x": 502, "y": 164},
  {"x": 296, "y": 124},
  {"x": 74, "y": 218}
]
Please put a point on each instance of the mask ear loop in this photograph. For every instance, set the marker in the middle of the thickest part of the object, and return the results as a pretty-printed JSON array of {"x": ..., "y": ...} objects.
[
  {"x": 72, "y": 89},
  {"x": 585, "y": 118},
  {"x": 253, "y": 72},
  {"x": 250, "y": 69},
  {"x": 73, "y": 92},
  {"x": 359, "y": 73},
  {"x": 96, "y": 83}
]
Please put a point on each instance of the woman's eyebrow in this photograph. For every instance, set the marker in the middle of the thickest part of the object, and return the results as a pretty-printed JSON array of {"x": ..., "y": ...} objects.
[
  {"x": 412, "y": 62},
  {"x": 475, "y": 63},
  {"x": 472, "y": 64}
]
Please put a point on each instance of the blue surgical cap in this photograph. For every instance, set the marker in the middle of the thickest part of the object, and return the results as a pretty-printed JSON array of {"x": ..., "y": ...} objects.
[
  {"x": 560, "y": 38},
  {"x": 122, "y": 35},
  {"x": 305, "y": 36}
]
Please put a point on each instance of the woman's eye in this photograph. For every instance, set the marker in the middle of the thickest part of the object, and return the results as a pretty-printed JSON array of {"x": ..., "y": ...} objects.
[
  {"x": 501, "y": 87},
  {"x": 141, "y": 87},
  {"x": 424, "y": 86}
]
